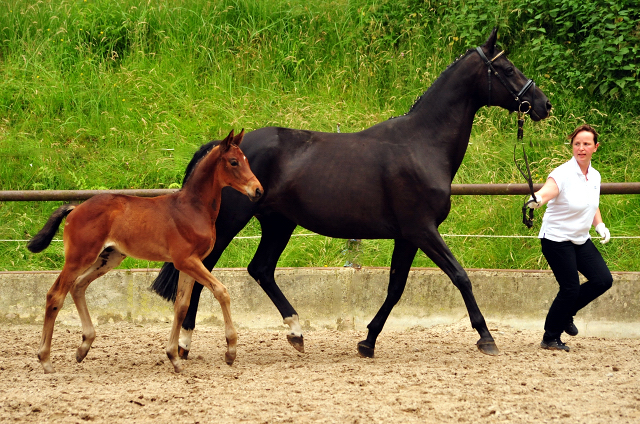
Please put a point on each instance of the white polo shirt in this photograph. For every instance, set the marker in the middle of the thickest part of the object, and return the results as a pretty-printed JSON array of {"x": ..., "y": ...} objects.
[{"x": 570, "y": 215}]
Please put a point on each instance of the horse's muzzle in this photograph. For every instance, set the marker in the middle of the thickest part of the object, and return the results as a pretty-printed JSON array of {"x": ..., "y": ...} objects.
[
  {"x": 538, "y": 115},
  {"x": 257, "y": 194}
]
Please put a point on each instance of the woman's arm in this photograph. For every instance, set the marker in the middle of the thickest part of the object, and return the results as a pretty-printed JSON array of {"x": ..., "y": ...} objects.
[
  {"x": 597, "y": 219},
  {"x": 548, "y": 192}
]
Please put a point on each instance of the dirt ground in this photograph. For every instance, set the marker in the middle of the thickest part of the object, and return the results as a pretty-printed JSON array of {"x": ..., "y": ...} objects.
[{"x": 421, "y": 375}]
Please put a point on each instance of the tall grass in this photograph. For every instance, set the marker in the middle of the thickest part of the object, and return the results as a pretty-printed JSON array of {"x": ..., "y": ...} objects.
[{"x": 119, "y": 94}]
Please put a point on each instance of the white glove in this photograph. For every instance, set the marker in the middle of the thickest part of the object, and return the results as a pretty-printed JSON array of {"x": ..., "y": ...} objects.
[
  {"x": 603, "y": 232},
  {"x": 533, "y": 205}
]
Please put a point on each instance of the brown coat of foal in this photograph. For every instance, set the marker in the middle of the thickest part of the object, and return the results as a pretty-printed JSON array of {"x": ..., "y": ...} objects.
[{"x": 177, "y": 228}]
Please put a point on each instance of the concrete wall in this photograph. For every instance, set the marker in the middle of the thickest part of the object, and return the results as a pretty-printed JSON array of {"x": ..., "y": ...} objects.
[{"x": 334, "y": 298}]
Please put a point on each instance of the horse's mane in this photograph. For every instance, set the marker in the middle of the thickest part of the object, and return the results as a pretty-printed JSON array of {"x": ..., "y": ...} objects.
[
  {"x": 197, "y": 157},
  {"x": 452, "y": 64},
  {"x": 206, "y": 148}
]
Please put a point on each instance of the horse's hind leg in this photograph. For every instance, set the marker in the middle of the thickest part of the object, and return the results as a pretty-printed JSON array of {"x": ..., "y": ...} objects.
[
  {"x": 180, "y": 306},
  {"x": 276, "y": 232},
  {"x": 108, "y": 259},
  {"x": 438, "y": 251},
  {"x": 403, "y": 254},
  {"x": 55, "y": 300}
]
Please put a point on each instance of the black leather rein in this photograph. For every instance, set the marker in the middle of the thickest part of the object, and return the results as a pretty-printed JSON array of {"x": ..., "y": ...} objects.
[{"x": 528, "y": 221}]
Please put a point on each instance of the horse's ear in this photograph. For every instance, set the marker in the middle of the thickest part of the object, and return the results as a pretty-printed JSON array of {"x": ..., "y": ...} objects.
[
  {"x": 238, "y": 139},
  {"x": 226, "y": 143},
  {"x": 490, "y": 45}
]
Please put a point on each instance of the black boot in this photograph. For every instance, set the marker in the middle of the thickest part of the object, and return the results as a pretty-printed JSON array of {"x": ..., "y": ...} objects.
[
  {"x": 554, "y": 344},
  {"x": 571, "y": 328}
]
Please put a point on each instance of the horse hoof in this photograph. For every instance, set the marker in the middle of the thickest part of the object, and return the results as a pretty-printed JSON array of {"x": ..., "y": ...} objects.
[
  {"x": 296, "y": 341},
  {"x": 364, "y": 350},
  {"x": 81, "y": 354},
  {"x": 177, "y": 368},
  {"x": 182, "y": 352},
  {"x": 48, "y": 369},
  {"x": 229, "y": 358},
  {"x": 488, "y": 347}
]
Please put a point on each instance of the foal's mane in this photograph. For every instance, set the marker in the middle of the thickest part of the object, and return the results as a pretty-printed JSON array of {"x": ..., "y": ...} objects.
[{"x": 197, "y": 158}]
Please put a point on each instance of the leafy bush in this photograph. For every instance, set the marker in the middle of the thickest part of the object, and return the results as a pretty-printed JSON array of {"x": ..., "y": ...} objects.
[
  {"x": 120, "y": 93},
  {"x": 591, "y": 44}
]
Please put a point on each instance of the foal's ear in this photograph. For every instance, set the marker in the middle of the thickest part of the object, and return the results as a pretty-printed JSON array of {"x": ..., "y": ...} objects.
[
  {"x": 226, "y": 143},
  {"x": 238, "y": 139},
  {"x": 490, "y": 45}
]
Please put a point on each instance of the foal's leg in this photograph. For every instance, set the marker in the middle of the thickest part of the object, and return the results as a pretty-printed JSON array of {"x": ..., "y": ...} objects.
[
  {"x": 223, "y": 237},
  {"x": 180, "y": 306},
  {"x": 403, "y": 254},
  {"x": 222, "y": 295},
  {"x": 195, "y": 270},
  {"x": 235, "y": 212},
  {"x": 437, "y": 250},
  {"x": 108, "y": 259},
  {"x": 55, "y": 300}
]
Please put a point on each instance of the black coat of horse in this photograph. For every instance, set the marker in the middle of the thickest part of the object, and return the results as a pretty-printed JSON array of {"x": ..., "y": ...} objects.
[{"x": 390, "y": 181}]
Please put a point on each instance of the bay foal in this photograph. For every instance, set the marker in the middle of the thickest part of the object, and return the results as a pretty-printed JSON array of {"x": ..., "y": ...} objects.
[{"x": 177, "y": 228}]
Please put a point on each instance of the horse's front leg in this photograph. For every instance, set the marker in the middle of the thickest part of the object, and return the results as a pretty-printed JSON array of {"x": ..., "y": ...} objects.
[
  {"x": 222, "y": 295},
  {"x": 183, "y": 296},
  {"x": 198, "y": 272},
  {"x": 438, "y": 251}
]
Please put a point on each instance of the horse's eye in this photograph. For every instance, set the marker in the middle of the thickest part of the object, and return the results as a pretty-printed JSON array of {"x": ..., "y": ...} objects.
[
  {"x": 509, "y": 71},
  {"x": 233, "y": 162}
]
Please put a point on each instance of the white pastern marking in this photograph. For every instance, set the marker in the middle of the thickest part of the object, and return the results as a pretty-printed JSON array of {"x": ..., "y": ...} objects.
[
  {"x": 294, "y": 324},
  {"x": 185, "y": 338}
]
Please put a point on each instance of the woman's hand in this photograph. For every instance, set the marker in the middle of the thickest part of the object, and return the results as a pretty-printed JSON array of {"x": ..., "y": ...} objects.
[{"x": 604, "y": 232}]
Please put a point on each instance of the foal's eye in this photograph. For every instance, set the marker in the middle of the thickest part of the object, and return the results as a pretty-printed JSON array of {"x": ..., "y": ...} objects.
[{"x": 233, "y": 162}]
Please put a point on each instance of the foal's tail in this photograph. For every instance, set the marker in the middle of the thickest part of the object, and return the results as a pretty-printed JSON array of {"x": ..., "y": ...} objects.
[
  {"x": 43, "y": 239},
  {"x": 166, "y": 283}
]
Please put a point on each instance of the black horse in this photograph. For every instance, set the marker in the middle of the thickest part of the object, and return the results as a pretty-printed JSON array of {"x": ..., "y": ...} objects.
[{"x": 390, "y": 181}]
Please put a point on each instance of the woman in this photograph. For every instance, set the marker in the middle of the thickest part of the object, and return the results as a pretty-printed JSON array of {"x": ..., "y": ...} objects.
[{"x": 572, "y": 192}]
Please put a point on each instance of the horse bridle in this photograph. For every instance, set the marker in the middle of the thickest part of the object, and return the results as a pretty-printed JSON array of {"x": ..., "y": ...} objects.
[
  {"x": 516, "y": 96},
  {"x": 528, "y": 221}
]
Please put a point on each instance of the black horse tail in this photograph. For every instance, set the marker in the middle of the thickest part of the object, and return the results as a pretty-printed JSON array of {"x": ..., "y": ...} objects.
[
  {"x": 166, "y": 283},
  {"x": 42, "y": 240}
]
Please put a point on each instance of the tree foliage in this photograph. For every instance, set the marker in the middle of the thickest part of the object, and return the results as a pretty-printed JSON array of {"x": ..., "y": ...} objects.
[
  {"x": 593, "y": 44},
  {"x": 582, "y": 44}
]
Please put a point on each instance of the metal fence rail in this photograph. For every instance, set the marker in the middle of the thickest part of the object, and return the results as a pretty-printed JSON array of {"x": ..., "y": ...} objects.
[
  {"x": 456, "y": 189},
  {"x": 518, "y": 189}
]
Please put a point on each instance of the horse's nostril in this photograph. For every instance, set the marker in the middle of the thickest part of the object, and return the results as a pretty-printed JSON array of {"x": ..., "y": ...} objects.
[
  {"x": 258, "y": 192},
  {"x": 548, "y": 105}
]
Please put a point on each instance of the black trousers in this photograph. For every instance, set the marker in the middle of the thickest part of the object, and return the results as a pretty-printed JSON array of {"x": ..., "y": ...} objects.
[{"x": 566, "y": 260}]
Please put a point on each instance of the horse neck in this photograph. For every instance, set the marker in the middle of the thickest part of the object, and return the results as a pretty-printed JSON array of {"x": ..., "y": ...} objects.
[
  {"x": 446, "y": 111},
  {"x": 202, "y": 187}
]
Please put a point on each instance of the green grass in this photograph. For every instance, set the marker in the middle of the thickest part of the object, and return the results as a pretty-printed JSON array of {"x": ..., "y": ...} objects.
[{"x": 101, "y": 94}]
